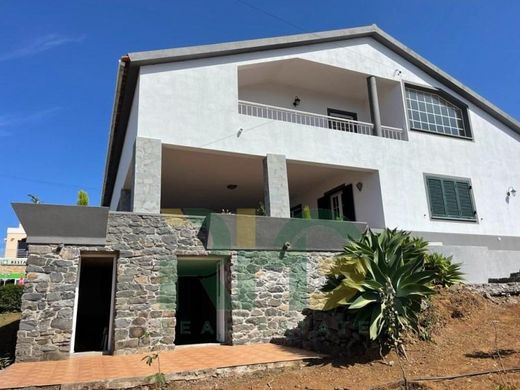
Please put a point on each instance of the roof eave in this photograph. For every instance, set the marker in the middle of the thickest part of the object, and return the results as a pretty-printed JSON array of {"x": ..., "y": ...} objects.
[{"x": 229, "y": 48}]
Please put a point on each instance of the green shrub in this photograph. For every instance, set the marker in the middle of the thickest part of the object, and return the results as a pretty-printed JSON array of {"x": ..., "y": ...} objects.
[
  {"x": 446, "y": 272},
  {"x": 82, "y": 198},
  {"x": 10, "y": 298},
  {"x": 306, "y": 212},
  {"x": 382, "y": 278}
]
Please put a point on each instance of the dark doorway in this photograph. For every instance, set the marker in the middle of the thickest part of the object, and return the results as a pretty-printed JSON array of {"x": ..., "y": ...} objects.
[
  {"x": 94, "y": 304},
  {"x": 196, "y": 301},
  {"x": 346, "y": 115},
  {"x": 338, "y": 204}
]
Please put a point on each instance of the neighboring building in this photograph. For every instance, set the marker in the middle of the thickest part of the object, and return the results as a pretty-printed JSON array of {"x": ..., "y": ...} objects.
[
  {"x": 12, "y": 265},
  {"x": 15, "y": 243},
  {"x": 349, "y": 123}
]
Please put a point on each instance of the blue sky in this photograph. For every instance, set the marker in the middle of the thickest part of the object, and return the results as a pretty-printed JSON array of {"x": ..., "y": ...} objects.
[{"x": 58, "y": 66}]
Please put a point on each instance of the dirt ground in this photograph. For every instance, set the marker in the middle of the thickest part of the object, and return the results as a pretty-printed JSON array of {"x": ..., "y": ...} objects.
[{"x": 462, "y": 341}]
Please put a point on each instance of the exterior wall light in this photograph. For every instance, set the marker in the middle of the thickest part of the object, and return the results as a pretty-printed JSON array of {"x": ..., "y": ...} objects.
[
  {"x": 297, "y": 101},
  {"x": 359, "y": 186},
  {"x": 511, "y": 192}
]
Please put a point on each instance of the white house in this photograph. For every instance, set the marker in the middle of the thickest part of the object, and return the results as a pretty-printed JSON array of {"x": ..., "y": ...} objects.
[
  {"x": 347, "y": 125},
  {"x": 354, "y": 123}
]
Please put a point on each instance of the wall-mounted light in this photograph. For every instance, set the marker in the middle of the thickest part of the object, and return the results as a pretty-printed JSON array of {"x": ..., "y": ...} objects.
[
  {"x": 511, "y": 192},
  {"x": 296, "y": 101},
  {"x": 359, "y": 186},
  {"x": 231, "y": 186}
]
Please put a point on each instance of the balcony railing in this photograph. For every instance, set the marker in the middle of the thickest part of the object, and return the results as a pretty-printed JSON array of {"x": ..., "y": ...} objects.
[
  {"x": 392, "y": 132},
  {"x": 310, "y": 119}
]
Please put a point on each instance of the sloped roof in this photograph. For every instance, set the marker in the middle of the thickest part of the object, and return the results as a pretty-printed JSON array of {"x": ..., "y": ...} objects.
[{"x": 129, "y": 70}]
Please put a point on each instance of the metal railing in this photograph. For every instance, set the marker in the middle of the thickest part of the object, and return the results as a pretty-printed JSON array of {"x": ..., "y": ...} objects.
[
  {"x": 310, "y": 119},
  {"x": 392, "y": 132},
  {"x": 303, "y": 118}
]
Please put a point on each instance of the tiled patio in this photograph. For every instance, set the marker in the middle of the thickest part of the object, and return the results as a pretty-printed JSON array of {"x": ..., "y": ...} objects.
[{"x": 96, "y": 368}]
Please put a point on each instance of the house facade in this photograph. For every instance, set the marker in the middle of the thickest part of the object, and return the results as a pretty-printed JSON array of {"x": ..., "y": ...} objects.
[
  {"x": 234, "y": 171},
  {"x": 351, "y": 122}
]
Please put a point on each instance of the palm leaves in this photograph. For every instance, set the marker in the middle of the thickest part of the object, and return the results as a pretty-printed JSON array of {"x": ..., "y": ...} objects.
[{"x": 381, "y": 278}]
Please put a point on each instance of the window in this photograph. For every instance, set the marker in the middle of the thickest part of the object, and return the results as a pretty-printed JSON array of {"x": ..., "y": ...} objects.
[
  {"x": 433, "y": 112},
  {"x": 450, "y": 198},
  {"x": 339, "y": 125}
]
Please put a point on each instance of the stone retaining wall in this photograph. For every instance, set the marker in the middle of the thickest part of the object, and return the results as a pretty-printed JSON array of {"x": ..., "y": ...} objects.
[
  {"x": 497, "y": 289},
  {"x": 330, "y": 332}
]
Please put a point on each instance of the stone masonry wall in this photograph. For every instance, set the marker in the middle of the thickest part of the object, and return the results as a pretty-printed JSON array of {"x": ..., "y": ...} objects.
[
  {"x": 146, "y": 276},
  {"x": 47, "y": 303},
  {"x": 146, "y": 248},
  {"x": 267, "y": 290}
]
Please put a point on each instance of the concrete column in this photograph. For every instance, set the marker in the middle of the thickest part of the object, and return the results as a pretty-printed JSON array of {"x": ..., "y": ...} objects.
[
  {"x": 147, "y": 176},
  {"x": 276, "y": 186},
  {"x": 374, "y": 105}
]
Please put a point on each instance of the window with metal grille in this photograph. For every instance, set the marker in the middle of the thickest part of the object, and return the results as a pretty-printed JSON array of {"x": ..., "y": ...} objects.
[
  {"x": 433, "y": 112},
  {"x": 450, "y": 198}
]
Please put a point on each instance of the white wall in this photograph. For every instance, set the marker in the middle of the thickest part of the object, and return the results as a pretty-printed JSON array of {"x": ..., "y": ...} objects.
[{"x": 194, "y": 104}]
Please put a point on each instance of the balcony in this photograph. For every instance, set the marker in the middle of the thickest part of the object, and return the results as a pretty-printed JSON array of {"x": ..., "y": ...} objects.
[
  {"x": 201, "y": 182},
  {"x": 316, "y": 120},
  {"x": 309, "y": 93}
]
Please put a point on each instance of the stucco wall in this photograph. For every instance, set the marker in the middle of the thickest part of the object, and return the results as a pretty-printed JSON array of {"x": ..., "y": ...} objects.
[{"x": 194, "y": 104}]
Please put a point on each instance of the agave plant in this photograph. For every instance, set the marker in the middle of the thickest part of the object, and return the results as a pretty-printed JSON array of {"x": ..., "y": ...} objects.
[
  {"x": 382, "y": 278},
  {"x": 447, "y": 273}
]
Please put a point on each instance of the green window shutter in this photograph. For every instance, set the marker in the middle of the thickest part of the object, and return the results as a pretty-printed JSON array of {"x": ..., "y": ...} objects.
[
  {"x": 436, "y": 197},
  {"x": 467, "y": 210},
  {"x": 450, "y": 198}
]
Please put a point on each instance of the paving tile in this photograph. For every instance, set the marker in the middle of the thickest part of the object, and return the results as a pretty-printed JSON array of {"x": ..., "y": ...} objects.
[{"x": 93, "y": 368}]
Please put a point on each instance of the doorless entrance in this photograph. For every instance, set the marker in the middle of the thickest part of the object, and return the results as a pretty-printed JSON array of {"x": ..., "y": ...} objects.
[
  {"x": 94, "y": 304},
  {"x": 199, "y": 301}
]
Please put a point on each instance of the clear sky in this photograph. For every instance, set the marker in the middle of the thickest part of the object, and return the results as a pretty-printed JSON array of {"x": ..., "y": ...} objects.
[{"x": 58, "y": 65}]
